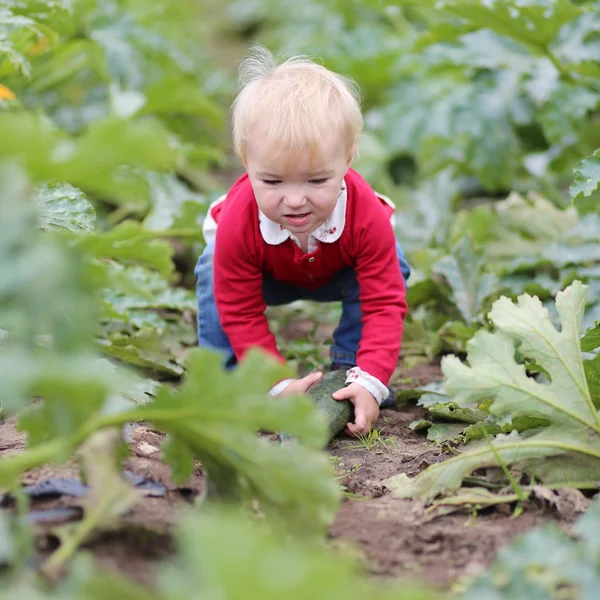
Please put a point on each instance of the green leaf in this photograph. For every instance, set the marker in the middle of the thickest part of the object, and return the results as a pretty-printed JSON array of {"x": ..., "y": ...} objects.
[
  {"x": 463, "y": 271},
  {"x": 95, "y": 161},
  {"x": 453, "y": 412},
  {"x": 130, "y": 288},
  {"x": 213, "y": 544},
  {"x": 514, "y": 227},
  {"x": 129, "y": 242},
  {"x": 169, "y": 198},
  {"x": 592, "y": 375},
  {"x": 568, "y": 470},
  {"x": 493, "y": 373},
  {"x": 7, "y": 549},
  {"x": 214, "y": 417},
  {"x": 45, "y": 289},
  {"x": 584, "y": 189},
  {"x": 141, "y": 348},
  {"x": 474, "y": 497},
  {"x": 448, "y": 475},
  {"x": 534, "y": 23},
  {"x": 577, "y": 41},
  {"x": 587, "y": 528},
  {"x": 182, "y": 96},
  {"x": 545, "y": 563},
  {"x": 180, "y": 458},
  {"x": 444, "y": 432},
  {"x": 591, "y": 340},
  {"x": 63, "y": 207},
  {"x": 567, "y": 112}
]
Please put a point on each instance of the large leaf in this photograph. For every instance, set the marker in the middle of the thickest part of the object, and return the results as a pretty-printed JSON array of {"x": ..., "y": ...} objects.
[
  {"x": 494, "y": 374},
  {"x": 44, "y": 289},
  {"x": 214, "y": 417},
  {"x": 463, "y": 271}
]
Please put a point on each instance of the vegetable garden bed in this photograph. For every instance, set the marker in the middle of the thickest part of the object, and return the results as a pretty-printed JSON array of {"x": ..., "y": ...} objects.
[{"x": 117, "y": 436}]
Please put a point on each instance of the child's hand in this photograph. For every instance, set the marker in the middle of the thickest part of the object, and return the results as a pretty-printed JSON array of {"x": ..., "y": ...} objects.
[
  {"x": 366, "y": 409},
  {"x": 299, "y": 386}
]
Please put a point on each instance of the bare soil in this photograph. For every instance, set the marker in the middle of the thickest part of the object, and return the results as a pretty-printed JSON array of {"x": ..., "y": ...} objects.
[
  {"x": 397, "y": 538},
  {"x": 393, "y": 537}
]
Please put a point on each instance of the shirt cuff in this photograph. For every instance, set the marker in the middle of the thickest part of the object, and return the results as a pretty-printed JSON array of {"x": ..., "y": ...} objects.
[
  {"x": 279, "y": 387},
  {"x": 373, "y": 385}
]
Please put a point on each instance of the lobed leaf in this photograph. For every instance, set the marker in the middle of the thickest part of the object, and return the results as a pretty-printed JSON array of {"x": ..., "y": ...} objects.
[
  {"x": 214, "y": 417},
  {"x": 494, "y": 375}
]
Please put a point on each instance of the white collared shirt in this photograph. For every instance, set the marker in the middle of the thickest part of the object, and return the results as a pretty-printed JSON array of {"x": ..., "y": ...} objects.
[{"x": 328, "y": 232}]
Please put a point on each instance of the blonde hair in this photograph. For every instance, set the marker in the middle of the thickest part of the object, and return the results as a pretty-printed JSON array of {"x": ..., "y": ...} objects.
[{"x": 297, "y": 101}]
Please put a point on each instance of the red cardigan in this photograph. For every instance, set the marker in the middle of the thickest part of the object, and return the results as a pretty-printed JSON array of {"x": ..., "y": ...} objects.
[{"x": 367, "y": 244}]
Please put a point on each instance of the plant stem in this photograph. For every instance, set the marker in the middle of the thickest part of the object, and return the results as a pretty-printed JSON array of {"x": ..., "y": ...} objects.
[
  {"x": 559, "y": 66},
  {"x": 119, "y": 214},
  {"x": 59, "y": 448},
  {"x": 513, "y": 482}
]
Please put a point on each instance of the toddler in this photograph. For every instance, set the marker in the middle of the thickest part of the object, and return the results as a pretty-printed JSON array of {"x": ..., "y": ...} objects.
[{"x": 302, "y": 224}]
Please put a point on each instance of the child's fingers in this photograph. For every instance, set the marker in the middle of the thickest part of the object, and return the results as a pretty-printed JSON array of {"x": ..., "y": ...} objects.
[
  {"x": 302, "y": 385},
  {"x": 360, "y": 421},
  {"x": 312, "y": 378},
  {"x": 342, "y": 394}
]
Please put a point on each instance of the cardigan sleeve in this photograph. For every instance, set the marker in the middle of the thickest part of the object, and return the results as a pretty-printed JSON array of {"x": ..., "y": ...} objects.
[
  {"x": 382, "y": 293},
  {"x": 238, "y": 292}
]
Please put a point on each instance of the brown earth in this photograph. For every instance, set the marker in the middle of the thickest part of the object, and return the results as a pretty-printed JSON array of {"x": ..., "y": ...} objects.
[{"x": 393, "y": 536}]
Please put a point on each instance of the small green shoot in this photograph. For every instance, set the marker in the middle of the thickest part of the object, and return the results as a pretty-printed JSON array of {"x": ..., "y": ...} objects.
[{"x": 371, "y": 441}]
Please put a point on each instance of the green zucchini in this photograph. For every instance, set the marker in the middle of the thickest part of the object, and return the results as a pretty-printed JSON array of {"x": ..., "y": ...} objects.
[{"x": 338, "y": 412}]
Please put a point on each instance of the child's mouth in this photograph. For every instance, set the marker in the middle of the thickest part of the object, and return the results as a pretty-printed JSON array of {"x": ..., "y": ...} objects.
[{"x": 297, "y": 220}]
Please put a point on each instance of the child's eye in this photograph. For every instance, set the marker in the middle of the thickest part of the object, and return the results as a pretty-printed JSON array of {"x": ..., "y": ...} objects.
[
  {"x": 318, "y": 181},
  {"x": 271, "y": 181}
]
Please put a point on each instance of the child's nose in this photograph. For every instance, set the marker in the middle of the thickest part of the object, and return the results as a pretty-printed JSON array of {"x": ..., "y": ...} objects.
[{"x": 294, "y": 200}]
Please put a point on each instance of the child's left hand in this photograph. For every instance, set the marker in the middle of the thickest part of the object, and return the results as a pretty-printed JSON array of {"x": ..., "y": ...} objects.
[{"x": 366, "y": 409}]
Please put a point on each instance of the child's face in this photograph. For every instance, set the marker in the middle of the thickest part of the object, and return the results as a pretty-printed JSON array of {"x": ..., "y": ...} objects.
[{"x": 297, "y": 191}]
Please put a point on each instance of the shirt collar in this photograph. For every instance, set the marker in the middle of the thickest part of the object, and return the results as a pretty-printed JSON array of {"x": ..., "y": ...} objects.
[{"x": 329, "y": 231}]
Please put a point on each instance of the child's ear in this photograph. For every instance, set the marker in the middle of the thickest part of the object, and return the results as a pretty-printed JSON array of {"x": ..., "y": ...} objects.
[{"x": 351, "y": 155}]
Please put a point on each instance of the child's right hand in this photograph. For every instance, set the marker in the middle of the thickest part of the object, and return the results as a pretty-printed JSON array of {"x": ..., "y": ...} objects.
[{"x": 300, "y": 386}]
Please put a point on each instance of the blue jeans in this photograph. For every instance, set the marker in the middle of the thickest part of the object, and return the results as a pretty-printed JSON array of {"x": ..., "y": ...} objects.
[{"x": 342, "y": 286}]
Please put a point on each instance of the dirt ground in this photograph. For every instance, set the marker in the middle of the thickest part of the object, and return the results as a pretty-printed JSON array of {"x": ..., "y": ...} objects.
[{"x": 391, "y": 535}]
